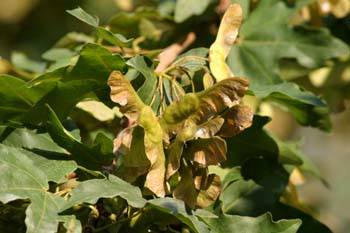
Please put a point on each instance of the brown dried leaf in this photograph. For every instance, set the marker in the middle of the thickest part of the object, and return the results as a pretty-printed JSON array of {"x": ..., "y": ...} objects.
[
  {"x": 124, "y": 94},
  {"x": 209, "y": 191},
  {"x": 205, "y": 152},
  {"x": 237, "y": 119}
]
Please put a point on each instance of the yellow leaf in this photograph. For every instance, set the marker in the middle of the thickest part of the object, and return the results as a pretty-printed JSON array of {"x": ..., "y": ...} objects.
[{"x": 225, "y": 38}]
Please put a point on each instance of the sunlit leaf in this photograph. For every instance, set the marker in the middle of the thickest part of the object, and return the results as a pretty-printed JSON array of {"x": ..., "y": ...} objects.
[
  {"x": 225, "y": 38},
  {"x": 84, "y": 16}
]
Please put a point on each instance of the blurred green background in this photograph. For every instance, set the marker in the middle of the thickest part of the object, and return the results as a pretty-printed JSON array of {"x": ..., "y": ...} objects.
[{"x": 33, "y": 26}]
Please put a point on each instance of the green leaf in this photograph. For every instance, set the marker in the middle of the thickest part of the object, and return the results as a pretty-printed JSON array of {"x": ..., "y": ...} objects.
[
  {"x": 305, "y": 107},
  {"x": 146, "y": 91},
  {"x": 62, "y": 99},
  {"x": 92, "y": 158},
  {"x": 115, "y": 39},
  {"x": 261, "y": 224},
  {"x": 257, "y": 190},
  {"x": 84, "y": 16},
  {"x": 16, "y": 98},
  {"x": 265, "y": 40},
  {"x": 178, "y": 209},
  {"x": 288, "y": 153},
  {"x": 40, "y": 144},
  {"x": 96, "y": 63},
  {"x": 184, "y": 9},
  {"x": 97, "y": 109},
  {"x": 91, "y": 190},
  {"x": 252, "y": 142},
  {"x": 23, "y": 179}
]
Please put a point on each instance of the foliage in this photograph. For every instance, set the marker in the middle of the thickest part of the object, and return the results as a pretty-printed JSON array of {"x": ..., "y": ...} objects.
[{"x": 128, "y": 130}]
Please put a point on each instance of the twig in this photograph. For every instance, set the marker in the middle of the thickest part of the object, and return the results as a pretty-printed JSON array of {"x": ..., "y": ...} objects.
[{"x": 170, "y": 53}]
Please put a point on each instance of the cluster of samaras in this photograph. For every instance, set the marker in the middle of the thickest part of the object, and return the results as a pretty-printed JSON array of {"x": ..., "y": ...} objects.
[{"x": 170, "y": 153}]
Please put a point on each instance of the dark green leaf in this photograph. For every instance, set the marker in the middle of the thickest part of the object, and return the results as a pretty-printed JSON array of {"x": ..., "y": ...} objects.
[
  {"x": 92, "y": 158},
  {"x": 16, "y": 98},
  {"x": 252, "y": 142},
  {"x": 62, "y": 99}
]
